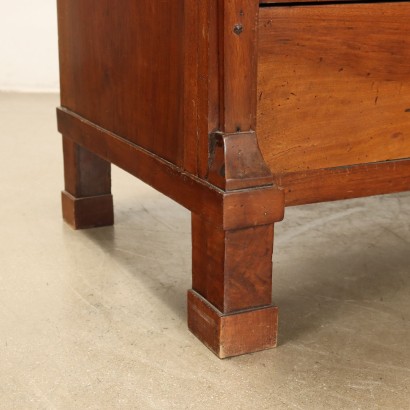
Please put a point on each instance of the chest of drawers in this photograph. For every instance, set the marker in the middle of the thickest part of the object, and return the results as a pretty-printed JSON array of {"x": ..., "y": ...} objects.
[{"x": 235, "y": 109}]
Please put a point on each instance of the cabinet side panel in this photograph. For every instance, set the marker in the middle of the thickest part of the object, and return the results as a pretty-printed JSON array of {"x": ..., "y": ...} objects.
[{"x": 122, "y": 67}]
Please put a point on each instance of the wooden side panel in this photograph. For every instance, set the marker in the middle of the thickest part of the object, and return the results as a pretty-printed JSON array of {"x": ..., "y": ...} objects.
[
  {"x": 123, "y": 68},
  {"x": 333, "y": 85}
]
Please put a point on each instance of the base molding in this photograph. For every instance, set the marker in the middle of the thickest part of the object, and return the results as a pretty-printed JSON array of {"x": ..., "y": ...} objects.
[
  {"x": 233, "y": 334},
  {"x": 351, "y": 181},
  {"x": 87, "y": 212}
]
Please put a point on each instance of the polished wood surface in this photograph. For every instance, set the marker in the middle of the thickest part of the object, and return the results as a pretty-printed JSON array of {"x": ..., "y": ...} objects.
[
  {"x": 123, "y": 63},
  {"x": 333, "y": 85},
  {"x": 352, "y": 181},
  {"x": 86, "y": 200},
  {"x": 85, "y": 174},
  {"x": 233, "y": 334},
  {"x": 195, "y": 97},
  {"x": 270, "y": 3},
  {"x": 218, "y": 270},
  {"x": 230, "y": 210}
]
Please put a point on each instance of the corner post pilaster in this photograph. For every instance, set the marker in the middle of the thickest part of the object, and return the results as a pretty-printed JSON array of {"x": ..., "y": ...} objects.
[{"x": 230, "y": 307}]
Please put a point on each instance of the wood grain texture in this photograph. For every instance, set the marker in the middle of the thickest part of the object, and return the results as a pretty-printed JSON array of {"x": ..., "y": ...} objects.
[
  {"x": 87, "y": 212},
  {"x": 233, "y": 210},
  {"x": 130, "y": 67},
  {"x": 232, "y": 269},
  {"x": 310, "y": 2},
  {"x": 85, "y": 174},
  {"x": 235, "y": 334},
  {"x": 333, "y": 85},
  {"x": 252, "y": 207},
  {"x": 345, "y": 182},
  {"x": 227, "y": 66},
  {"x": 237, "y": 64},
  {"x": 87, "y": 201},
  {"x": 235, "y": 162},
  {"x": 167, "y": 90},
  {"x": 229, "y": 155}
]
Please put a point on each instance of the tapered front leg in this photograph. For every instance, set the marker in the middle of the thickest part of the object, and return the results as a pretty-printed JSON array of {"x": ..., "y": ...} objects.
[
  {"x": 86, "y": 201},
  {"x": 230, "y": 307}
]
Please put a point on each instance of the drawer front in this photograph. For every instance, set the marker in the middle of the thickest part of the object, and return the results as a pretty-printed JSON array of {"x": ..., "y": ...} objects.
[
  {"x": 333, "y": 85},
  {"x": 267, "y": 3}
]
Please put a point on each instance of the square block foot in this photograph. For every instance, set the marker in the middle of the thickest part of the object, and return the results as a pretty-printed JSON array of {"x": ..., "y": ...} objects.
[
  {"x": 232, "y": 334},
  {"x": 88, "y": 212}
]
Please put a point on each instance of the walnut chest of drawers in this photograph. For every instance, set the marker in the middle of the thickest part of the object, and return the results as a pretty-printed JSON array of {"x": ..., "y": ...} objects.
[{"x": 235, "y": 109}]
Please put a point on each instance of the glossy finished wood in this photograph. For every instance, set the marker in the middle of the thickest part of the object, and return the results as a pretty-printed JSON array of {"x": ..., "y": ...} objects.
[
  {"x": 309, "y": 2},
  {"x": 333, "y": 85},
  {"x": 195, "y": 97},
  {"x": 86, "y": 201},
  {"x": 345, "y": 182},
  {"x": 234, "y": 334},
  {"x": 232, "y": 269},
  {"x": 124, "y": 62},
  {"x": 232, "y": 210},
  {"x": 89, "y": 212}
]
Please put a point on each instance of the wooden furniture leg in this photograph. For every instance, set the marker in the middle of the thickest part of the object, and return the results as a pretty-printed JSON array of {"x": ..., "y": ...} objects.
[
  {"x": 86, "y": 201},
  {"x": 230, "y": 305}
]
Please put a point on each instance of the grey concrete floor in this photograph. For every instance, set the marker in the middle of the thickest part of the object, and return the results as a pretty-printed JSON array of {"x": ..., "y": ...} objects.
[{"x": 96, "y": 319}]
